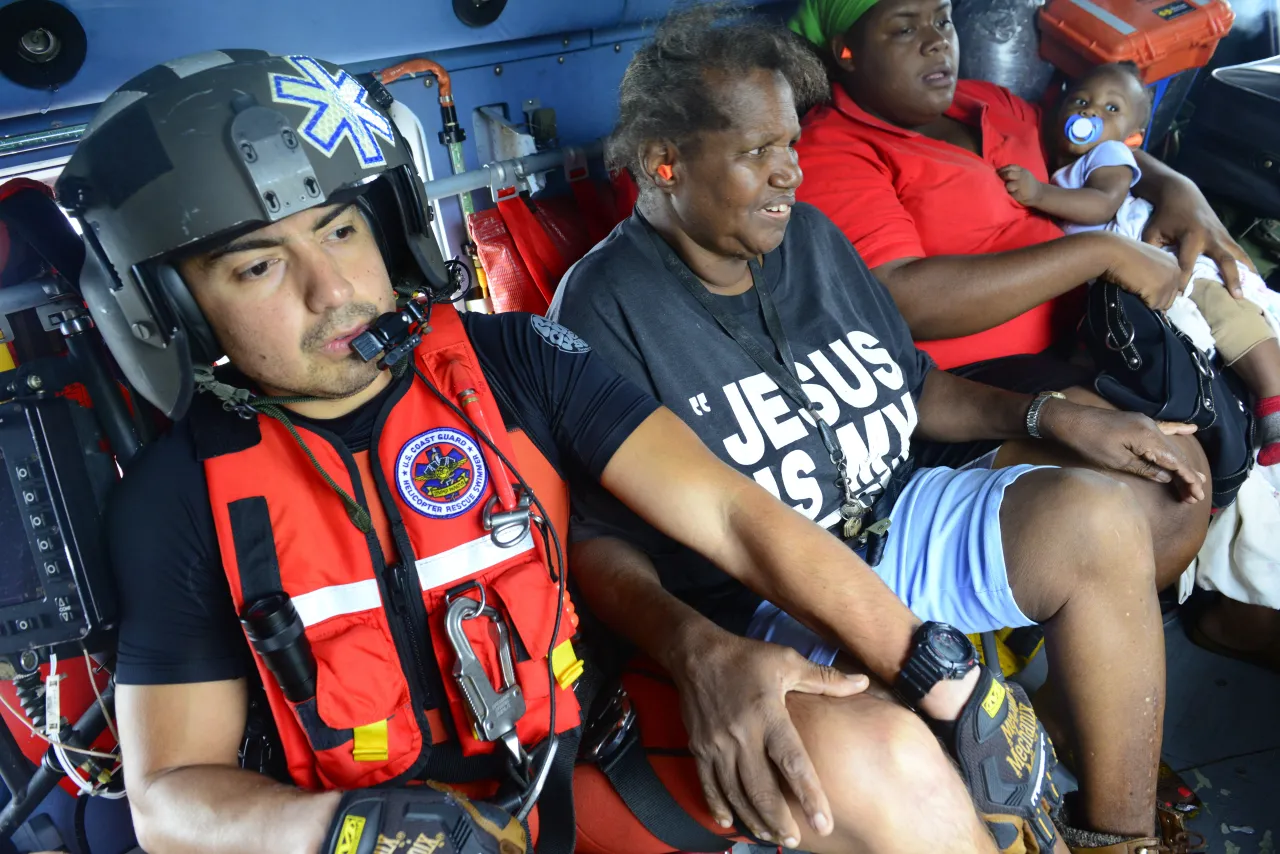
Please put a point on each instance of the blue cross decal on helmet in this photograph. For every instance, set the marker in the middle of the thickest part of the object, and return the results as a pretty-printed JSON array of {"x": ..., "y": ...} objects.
[{"x": 338, "y": 109}]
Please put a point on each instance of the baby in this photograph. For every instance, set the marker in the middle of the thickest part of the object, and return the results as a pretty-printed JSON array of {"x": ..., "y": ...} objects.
[{"x": 1103, "y": 115}]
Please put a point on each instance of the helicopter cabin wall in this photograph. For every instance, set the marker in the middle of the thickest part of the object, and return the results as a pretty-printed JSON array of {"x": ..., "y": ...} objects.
[{"x": 567, "y": 54}]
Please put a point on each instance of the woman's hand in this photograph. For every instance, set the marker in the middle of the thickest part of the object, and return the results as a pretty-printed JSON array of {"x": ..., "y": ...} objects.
[
  {"x": 1150, "y": 274},
  {"x": 733, "y": 697},
  {"x": 1182, "y": 216},
  {"x": 1125, "y": 442}
]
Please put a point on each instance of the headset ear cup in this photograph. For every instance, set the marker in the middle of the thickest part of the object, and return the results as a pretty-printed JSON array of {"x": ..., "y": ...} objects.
[
  {"x": 205, "y": 349},
  {"x": 411, "y": 252},
  {"x": 370, "y": 213}
]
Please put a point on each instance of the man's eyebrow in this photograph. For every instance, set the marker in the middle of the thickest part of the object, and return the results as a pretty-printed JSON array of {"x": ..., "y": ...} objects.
[
  {"x": 332, "y": 215},
  {"x": 251, "y": 243},
  {"x": 247, "y": 245}
]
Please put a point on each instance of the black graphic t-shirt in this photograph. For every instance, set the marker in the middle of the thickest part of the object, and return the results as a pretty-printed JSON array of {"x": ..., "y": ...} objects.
[{"x": 854, "y": 357}]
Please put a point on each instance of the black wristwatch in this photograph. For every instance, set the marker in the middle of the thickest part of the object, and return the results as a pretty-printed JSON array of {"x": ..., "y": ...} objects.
[{"x": 938, "y": 652}]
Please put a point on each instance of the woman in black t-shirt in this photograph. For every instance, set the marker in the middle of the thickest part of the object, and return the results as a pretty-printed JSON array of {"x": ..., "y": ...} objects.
[{"x": 754, "y": 320}]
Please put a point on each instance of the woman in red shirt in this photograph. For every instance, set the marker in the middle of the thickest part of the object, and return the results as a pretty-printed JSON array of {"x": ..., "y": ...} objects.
[{"x": 904, "y": 160}]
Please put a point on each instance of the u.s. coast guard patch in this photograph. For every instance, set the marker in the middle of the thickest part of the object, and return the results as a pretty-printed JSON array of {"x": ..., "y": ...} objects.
[
  {"x": 441, "y": 473},
  {"x": 337, "y": 108}
]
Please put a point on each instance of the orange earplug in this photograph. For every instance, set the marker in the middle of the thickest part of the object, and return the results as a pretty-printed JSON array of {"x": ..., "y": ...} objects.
[
  {"x": 846, "y": 53},
  {"x": 1134, "y": 140},
  {"x": 664, "y": 172}
]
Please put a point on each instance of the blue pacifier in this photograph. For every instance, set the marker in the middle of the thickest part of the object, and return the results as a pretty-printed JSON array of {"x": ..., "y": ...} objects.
[{"x": 1082, "y": 130}]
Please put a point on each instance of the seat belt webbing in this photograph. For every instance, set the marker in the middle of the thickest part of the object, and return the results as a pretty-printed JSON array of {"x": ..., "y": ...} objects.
[
  {"x": 557, "y": 824},
  {"x": 640, "y": 788}
]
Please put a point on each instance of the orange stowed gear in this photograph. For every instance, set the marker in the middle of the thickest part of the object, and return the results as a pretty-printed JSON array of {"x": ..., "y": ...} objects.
[
  {"x": 511, "y": 286},
  {"x": 376, "y": 623},
  {"x": 625, "y": 193},
  {"x": 543, "y": 261}
]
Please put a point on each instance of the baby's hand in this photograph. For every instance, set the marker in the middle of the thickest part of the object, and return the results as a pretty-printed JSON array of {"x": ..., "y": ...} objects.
[{"x": 1020, "y": 183}]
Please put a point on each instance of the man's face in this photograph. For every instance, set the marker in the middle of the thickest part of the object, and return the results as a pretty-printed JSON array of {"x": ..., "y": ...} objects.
[{"x": 285, "y": 301}]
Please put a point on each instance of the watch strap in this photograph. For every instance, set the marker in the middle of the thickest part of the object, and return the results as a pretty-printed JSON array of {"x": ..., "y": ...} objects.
[
  {"x": 916, "y": 679},
  {"x": 1033, "y": 412}
]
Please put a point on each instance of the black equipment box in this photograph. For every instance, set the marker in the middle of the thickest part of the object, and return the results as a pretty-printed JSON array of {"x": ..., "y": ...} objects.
[
  {"x": 55, "y": 583},
  {"x": 1232, "y": 146}
]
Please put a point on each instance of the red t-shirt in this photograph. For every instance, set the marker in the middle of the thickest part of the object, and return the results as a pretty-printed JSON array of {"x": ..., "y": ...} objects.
[{"x": 898, "y": 194}]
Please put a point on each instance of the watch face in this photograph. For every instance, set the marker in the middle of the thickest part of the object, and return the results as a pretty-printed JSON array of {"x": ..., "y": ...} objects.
[{"x": 949, "y": 644}]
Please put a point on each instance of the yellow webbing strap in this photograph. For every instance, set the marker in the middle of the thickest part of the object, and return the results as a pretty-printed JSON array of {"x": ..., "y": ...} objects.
[
  {"x": 370, "y": 743},
  {"x": 566, "y": 665}
]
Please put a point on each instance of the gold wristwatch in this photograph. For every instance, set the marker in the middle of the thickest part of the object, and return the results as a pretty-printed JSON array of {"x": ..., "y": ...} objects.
[{"x": 1033, "y": 413}]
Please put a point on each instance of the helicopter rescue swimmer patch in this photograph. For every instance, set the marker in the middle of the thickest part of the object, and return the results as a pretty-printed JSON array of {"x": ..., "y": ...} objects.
[{"x": 441, "y": 473}]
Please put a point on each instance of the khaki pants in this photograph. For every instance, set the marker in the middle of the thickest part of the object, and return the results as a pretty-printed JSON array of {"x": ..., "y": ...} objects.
[{"x": 1237, "y": 325}]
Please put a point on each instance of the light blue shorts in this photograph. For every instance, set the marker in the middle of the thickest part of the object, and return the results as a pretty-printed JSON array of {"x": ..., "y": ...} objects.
[{"x": 944, "y": 558}]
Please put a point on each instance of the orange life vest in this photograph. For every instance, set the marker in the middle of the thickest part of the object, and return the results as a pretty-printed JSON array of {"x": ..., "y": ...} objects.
[{"x": 375, "y": 621}]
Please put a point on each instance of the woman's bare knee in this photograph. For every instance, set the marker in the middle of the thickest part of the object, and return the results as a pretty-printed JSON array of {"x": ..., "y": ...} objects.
[{"x": 1072, "y": 529}]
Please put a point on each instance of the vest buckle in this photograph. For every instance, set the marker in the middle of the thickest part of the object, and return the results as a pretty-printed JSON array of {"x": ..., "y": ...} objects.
[
  {"x": 507, "y": 528},
  {"x": 607, "y": 732},
  {"x": 494, "y": 713}
]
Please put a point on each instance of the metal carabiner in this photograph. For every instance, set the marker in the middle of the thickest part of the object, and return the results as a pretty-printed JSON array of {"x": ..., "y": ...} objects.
[
  {"x": 507, "y": 528},
  {"x": 494, "y": 713}
]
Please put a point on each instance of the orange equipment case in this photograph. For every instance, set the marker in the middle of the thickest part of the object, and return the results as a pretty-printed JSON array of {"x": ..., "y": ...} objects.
[
  {"x": 1169, "y": 40},
  {"x": 1163, "y": 37}
]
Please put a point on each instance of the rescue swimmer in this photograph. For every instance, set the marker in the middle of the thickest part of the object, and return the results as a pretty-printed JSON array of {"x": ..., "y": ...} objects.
[{"x": 414, "y": 641}]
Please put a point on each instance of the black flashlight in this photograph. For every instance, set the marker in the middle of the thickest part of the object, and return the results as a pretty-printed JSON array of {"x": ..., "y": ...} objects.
[{"x": 276, "y": 632}]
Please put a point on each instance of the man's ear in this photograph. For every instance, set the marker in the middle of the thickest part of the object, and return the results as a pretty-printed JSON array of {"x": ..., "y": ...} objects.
[
  {"x": 841, "y": 53},
  {"x": 658, "y": 160}
]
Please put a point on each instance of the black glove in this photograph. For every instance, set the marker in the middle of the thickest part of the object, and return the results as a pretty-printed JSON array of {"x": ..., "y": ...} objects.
[
  {"x": 1007, "y": 762},
  {"x": 430, "y": 819}
]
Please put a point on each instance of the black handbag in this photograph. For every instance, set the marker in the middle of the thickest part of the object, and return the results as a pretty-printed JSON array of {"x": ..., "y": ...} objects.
[{"x": 1147, "y": 365}]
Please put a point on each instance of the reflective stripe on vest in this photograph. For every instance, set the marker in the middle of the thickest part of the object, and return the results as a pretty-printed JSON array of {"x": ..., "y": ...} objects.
[
  {"x": 435, "y": 571},
  {"x": 281, "y": 528}
]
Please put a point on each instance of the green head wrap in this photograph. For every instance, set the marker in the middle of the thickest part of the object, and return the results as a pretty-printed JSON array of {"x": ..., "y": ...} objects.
[{"x": 819, "y": 20}]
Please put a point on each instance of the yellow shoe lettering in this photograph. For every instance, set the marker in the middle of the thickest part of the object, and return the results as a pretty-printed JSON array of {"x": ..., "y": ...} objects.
[
  {"x": 389, "y": 844},
  {"x": 350, "y": 834},
  {"x": 427, "y": 844}
]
